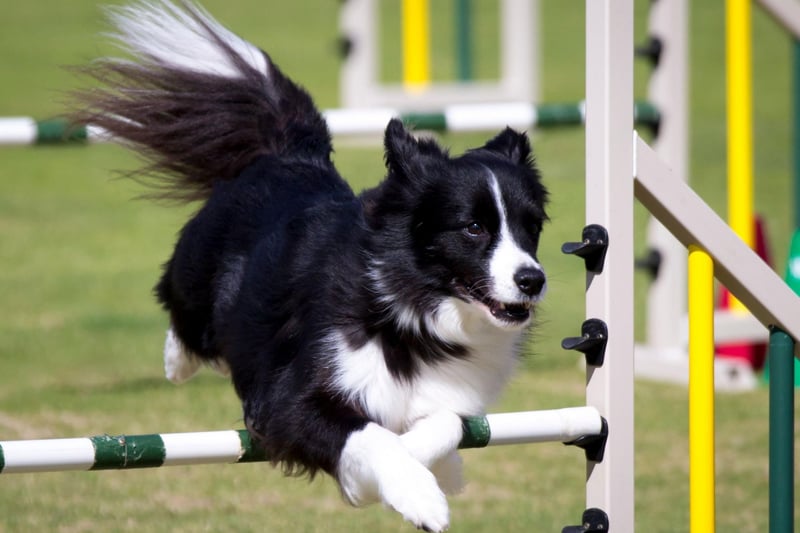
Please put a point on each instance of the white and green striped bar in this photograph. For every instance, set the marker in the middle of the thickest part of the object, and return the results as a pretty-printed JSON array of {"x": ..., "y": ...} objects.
[
  {"x": 475, "y": 117},
  {"x": 26, "y": 130},
  {"x": 121, "y": 452},
  {"x": 363, "y": 122}
]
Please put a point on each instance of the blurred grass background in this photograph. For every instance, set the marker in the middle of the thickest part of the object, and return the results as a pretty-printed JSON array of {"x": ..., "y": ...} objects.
[{"x": 81, "y": 335}]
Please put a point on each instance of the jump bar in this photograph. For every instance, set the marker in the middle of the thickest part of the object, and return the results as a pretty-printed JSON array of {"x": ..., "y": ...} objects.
[
  {"x": 362, "y": 122},
  {"x": 105, "y": 452}
]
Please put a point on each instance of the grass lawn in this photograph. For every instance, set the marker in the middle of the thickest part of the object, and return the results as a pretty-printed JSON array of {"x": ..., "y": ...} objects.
[{"x": 81, "y": 335}]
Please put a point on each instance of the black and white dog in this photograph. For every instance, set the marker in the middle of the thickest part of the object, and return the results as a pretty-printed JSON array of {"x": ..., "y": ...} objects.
[{"x": 357, "y": 330}]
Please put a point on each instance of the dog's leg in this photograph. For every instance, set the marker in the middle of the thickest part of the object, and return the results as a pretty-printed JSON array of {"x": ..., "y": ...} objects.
[
  {"x": 433, "y": 437},
  {"x": 375, "y": 466},
  {"x": 433, "y": 441},
  {"x": 179, "y": 363},
  {"x": 449, "y": 473}
]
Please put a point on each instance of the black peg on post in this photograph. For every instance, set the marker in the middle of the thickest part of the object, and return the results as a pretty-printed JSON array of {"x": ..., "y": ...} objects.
[
  {"x": 650, "y": 262},
  {"x": 592, "y": 247},
  {"x": 594, "y": 446},
  {"x": 594, "y": 521},
  {"x": 650, "y": 50},
  {"x": 592, "y": 342}
]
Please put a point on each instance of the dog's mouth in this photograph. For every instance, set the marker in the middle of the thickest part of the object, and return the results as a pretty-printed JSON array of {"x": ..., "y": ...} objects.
[{"x": 511, "y": 313}]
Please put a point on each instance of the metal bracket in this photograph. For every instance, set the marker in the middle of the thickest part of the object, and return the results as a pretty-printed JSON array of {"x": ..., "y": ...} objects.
[
  {"x": 592, "y": 342},
  {"x": 594, "y": 446},
  {"x": 594, "y": 521},
  {"x": 592, "y": 248}
]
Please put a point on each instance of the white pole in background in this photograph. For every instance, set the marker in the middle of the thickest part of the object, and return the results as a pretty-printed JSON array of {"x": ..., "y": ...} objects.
[{"x": 666, "y": 301}]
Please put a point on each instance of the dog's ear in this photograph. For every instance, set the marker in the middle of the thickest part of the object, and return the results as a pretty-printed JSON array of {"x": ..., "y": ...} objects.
[
  {"x": 512, "y": 145},
  {"x": 406, "y": 154}
]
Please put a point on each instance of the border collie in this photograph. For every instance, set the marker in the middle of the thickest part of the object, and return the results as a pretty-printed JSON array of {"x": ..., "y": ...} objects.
[{"x": 357, "y": 329}]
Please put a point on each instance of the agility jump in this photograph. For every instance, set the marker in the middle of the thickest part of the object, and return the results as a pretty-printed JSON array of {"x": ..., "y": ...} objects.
[{"x": 618, "y": 169}]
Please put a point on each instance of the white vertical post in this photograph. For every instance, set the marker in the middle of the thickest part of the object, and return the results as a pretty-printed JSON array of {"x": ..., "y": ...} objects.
[
  {"x": 666, "y": 301},
  {"x": 519, "y": 49},
  {"x": 358, "y": 21},
  {"x": 609, "y": 202}
]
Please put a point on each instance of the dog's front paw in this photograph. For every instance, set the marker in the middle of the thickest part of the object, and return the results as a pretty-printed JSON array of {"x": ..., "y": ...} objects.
[
  {"x": 433, "y": 437},
  {"x": 375, "y": 466},
  {"x": 415, "y": 494}
]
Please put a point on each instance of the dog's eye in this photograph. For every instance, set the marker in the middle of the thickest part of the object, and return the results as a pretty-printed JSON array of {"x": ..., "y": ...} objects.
[{"x": 474, "y": 229}]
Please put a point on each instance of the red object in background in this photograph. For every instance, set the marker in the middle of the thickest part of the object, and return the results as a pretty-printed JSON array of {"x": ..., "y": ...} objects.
[{"x": 755, "y": 354}]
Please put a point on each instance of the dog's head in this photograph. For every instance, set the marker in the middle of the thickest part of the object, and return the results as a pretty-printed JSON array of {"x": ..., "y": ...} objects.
[{"x": 465, "y": 227}]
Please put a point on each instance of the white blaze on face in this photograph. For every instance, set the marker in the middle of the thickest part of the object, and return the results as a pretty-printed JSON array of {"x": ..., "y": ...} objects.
[{"x": 508, "y": 258}]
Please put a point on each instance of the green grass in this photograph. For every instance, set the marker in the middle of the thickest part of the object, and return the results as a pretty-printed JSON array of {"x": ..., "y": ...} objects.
[{"x": 81, "y": 336}]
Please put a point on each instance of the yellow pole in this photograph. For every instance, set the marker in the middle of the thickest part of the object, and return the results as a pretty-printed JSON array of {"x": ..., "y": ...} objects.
[
  {"x": 701, "y": 391},
  {"x": 416, "y": 44},
  {"x": 738, "y": 59}
]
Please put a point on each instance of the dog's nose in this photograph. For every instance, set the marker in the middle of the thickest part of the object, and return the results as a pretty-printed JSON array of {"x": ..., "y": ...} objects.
[{"x": 529, "y": 280}]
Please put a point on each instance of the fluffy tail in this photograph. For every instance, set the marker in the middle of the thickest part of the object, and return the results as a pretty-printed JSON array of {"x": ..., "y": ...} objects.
[{"x": 196, "y": 101}]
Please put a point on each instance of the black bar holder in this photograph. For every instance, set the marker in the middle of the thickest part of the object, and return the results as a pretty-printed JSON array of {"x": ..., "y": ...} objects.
[
  {"x": 594, "y": 446},
  {"x": 592, "y": 248},
  {"x": 593, "y": 521},
  {"x": 650, "y": 50},
  {"x": 592, "y": 342},
  {"x": 650, "y": 262}
]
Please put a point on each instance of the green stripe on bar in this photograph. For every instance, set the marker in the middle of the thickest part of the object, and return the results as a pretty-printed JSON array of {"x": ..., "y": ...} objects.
[
  {"x": 646, "y": 114},
  {"x": 425, "y": 121},
  {"x": 477, "y": 432},
  {"x": 252, "y": 453},
  {"x": 58, "y": 131},
  {"x": 548, "y": 115},
  {"x": 2, "y": 460},
  {"x": 128, "y": 451}
]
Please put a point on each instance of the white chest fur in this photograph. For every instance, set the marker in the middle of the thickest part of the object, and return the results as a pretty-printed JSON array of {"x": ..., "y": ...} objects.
[{"x": 463, "y": 385}]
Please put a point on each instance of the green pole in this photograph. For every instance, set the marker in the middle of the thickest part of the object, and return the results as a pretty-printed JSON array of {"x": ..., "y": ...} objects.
[
  {"x": 781, "y": 432},
  {"x": 464, "y": 39}
]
